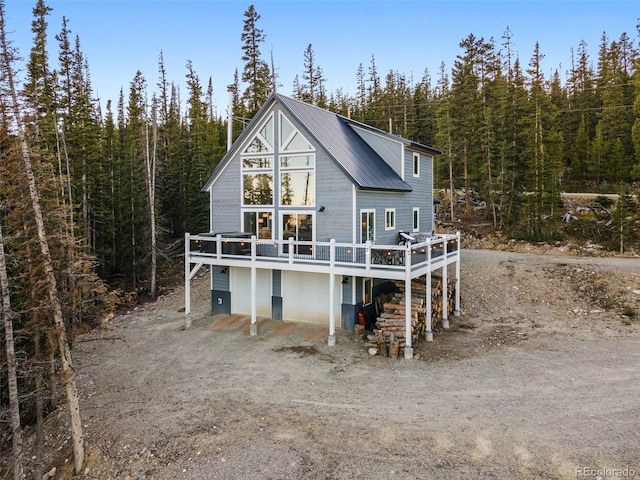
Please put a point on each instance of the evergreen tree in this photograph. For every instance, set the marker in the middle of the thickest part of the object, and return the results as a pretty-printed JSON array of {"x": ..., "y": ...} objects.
[
  {"x": 312, "y": 91},
  {"x": 256, "y": 73},
  {"x": 544, "y": 154},
  {"x": 466, "y": 112},
  {"x": 580, "y": 155},
  {"x": 201, "y": 155}
]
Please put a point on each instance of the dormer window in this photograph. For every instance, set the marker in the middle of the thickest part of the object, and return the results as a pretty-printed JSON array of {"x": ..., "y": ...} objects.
[{"x": 416, "y": 164}]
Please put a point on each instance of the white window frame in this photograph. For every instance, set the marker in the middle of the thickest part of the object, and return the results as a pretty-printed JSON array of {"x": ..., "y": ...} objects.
[
  {"x": 367, "y": 211},
  {"x": 256, "y": 211},
  {"x": 284, "y": 170},
  {"x": 416, "y": 219},
  {"x": 389, "y": 219},
  {"x": 416, "y": 164}
]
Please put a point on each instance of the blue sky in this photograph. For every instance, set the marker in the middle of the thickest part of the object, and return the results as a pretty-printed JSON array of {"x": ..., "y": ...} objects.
[{"x": 120, "y": 37}]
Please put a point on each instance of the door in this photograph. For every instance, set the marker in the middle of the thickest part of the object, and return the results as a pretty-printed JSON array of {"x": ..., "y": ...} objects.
[
  {"x": 367, "y": 226},
  {"x": 240, "y": 282},
  {"x": 300, "y": 227},
  {"x": 305, "y": 298}
]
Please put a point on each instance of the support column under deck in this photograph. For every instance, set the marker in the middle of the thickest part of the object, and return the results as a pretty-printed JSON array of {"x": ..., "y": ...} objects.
[
  {"x": 445, "y": 294},
  {"x": 428, "y": 333},
  {"x": 331, "y": 341},
  {"x": 253, "y": 328},
  {"x": 408, "y": 349}
]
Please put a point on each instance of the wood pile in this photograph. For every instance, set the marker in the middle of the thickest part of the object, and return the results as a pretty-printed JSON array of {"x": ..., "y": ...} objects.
[{"x": 389, "y": 338}]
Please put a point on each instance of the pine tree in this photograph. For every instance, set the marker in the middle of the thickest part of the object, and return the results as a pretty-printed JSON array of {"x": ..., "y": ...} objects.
[
  {"x": 256, "y": 71},
  {"x": 312, "y": 91},
  {"x": 135, "y": 152},
  {"x": 466, "y": 112},
  {"x": 7, "y": 59}
]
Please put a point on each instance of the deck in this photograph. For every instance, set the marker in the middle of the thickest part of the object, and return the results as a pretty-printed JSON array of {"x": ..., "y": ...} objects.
[{"x": 426, "y": 254}]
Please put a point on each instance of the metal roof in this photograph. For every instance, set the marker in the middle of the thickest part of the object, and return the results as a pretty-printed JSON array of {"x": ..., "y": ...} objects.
[{"x": 335, "y": 135}]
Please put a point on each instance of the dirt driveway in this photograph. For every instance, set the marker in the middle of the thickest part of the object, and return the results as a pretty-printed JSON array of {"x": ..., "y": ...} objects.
[{"x": 539, "y": 377}]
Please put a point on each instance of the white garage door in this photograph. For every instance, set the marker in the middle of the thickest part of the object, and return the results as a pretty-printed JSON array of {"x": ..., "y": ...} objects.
[
  {"x": 306, "y": 298},
  {"x": 241, "y": 291}
]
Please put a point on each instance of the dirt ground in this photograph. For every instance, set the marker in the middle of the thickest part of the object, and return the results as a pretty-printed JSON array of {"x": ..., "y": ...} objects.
[{"x": 538, "y": 377}]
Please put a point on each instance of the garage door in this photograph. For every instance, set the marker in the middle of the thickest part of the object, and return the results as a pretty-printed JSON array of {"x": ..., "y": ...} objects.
[
  {"x": 241, "y": 291},
  {"x": 306, "y": 298}
]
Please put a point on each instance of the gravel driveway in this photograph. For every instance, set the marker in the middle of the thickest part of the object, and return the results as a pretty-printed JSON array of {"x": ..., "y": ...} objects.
[{"x": 538, "y": 378}]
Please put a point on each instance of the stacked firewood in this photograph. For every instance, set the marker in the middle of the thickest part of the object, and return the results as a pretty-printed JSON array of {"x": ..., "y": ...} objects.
[{"x": 389, "y": 338}]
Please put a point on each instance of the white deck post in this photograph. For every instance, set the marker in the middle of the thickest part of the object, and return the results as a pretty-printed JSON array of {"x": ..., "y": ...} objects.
[
  {"x": 408, "y": 349},
  {"x": 457, "y": 308},
  {"x": 331, "y": 341},
  {"x": 367, "y": 256},
  {"x": 428, "y": 333},
  {"x": 187, "y": 282},
  {"x": 253, "y": 328},
  {"x": 445, "y": 294},
  {"x": 290, "y": 250}
]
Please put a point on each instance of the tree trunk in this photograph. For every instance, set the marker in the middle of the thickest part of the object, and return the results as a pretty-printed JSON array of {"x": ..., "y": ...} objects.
[
  {"x": 14, "y": 405},
  {"x": 150, "y": 164},
  {"x": 51, "y": 284},
  {"x": 467, "y": 193}
]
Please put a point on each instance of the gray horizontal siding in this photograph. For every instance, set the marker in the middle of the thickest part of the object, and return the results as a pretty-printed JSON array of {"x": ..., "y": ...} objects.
[{"x": 226, "y": 199}]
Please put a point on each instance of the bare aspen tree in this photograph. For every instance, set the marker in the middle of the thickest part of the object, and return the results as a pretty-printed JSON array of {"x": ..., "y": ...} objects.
[
  {"x": 14, "y": 405},
  {"x": 150, "y": 174},
  {"x": 6, "y": 59}
]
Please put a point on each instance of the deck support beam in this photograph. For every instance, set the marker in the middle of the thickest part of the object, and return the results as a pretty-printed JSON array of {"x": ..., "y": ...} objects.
[
  {"x": 408, "y": 349},
  {"x": 456, "y": 312},
  {"x": 331, "y": 341},
  {"x": 253, "y": 328},
  {"x": 445, "y": 293}
]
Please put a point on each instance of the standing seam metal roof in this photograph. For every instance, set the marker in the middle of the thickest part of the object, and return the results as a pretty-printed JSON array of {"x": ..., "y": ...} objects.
[
  {"x": 334, "y": 134},
  {"x": 358, "y": 160}
]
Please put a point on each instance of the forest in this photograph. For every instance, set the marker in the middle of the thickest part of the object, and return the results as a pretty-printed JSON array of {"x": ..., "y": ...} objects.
[{"x": 94, "y": 204}]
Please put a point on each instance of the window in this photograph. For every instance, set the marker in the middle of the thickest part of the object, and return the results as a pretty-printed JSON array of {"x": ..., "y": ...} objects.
[
  {"x": 257, "y": 167},
  {"x": 257, "y": 189},
  {"x": 416, "y": 219},
  {"x": 258, "y": 222},
  {"x": 262, "y": 141},
  {"x": 416, "y": 164},
  {"x": 297, "y": 180},
  {"x": 390, "y": 219},
  {"x": 367, "y": 291},
  {"x": 291, "y": 140},
  {"x": 367, "y": 226}
]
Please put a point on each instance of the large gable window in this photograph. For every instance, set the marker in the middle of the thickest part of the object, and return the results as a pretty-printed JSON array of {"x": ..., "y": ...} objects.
[
  {"x": 257, "y": 167},
  {"x": 257, "y": 189},
  {"x": 291, "y": 140},
  {"x": 297, "y": 167},
  {"x": 297, "y": 180},
  {"x": 262, "y": 141}
]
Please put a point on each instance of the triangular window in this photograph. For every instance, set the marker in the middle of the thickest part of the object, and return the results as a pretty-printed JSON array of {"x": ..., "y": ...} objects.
[
  {"x": 262, "y": 142},
  {"x": 291, "y": 140}
]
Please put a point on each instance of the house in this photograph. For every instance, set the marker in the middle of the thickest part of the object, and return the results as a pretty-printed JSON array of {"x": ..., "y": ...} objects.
[{"x": 313, "y": 214}]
